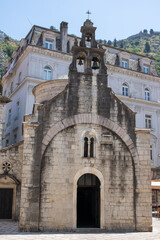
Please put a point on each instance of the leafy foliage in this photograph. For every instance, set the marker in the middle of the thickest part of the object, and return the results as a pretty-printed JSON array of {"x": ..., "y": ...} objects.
[
  {"x": 147, "y": 48},
  {"x": 7, "y": 47}
]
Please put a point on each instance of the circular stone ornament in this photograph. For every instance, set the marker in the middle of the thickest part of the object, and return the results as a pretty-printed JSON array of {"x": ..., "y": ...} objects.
[{"x": 6, "y": 166}]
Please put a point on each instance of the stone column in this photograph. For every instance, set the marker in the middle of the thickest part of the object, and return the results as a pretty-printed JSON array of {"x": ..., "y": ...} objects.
[
  {"x": 29, "y": 209},
  {"x": 143, "y": 197}
]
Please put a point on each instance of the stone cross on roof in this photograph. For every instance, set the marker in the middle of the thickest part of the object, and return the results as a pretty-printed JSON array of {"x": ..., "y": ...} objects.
[{"x": 88, "y": 12}]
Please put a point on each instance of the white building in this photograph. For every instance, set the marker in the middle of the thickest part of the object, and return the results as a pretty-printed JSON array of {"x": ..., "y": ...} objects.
[{"x": 45, "y": 55}]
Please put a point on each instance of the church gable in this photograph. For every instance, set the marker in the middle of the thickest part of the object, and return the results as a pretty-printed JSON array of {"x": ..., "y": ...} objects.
[{"x": 83, "y": 143}]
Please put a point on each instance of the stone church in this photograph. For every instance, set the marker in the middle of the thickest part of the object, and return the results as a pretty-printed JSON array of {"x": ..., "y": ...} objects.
[{"x": 82, "y": 164}]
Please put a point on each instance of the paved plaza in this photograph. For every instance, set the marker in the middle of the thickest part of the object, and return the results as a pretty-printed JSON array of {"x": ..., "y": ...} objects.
[{"x": 9, "y": 231}]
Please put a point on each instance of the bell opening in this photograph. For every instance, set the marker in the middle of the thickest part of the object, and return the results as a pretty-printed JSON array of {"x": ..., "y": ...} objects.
[{"x": 95, "y": 63}]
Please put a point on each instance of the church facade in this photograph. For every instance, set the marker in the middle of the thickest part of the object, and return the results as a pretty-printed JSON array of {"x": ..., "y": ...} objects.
[{"x": 82, "y": 163}]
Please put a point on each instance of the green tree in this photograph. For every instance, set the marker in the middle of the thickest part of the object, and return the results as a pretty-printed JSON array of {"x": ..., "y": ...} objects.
[
  {"x": 9, "y": 49},
  {"x": 145, "y": 31},
  {"x": 109, "y": 42},
  {"x": 115, "y": 43},
  {"x": 151, "y": 31},
  {"x": 52, "y": 27},
  {"x": 6, "y": 39},
  {"x": 136, "y": 43},
  {"x": 121, "y": 44},
  {"x": 147, "y": 48}
]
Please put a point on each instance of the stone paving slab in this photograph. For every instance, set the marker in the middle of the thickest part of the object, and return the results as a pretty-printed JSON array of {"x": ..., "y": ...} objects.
[{"x": 9, "y": 231}]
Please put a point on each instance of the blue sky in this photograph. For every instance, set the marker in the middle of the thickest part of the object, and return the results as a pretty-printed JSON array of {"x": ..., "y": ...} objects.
[{"x": 113, "y": 18}]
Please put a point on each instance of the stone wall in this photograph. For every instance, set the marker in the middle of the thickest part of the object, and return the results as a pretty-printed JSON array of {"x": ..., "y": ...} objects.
[
  {"x": 61, "y": 162},
  {"x": 12, "y": 156},
  {"x": 46, "y": 91}
]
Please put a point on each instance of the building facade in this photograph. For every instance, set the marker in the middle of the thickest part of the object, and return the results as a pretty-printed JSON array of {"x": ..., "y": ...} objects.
[
  {"x": 45, "y": 55},
  {"x": 81, "y": 162}
]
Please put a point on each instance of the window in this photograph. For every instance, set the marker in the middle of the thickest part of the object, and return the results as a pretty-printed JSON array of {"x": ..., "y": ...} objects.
[
  {"x": 15, "y": 137},
  {"x": 47, "y": 73},
  {"x": 7, "y": 139},
  {"x": 17, "y": 111},
  {"x": 89, "y": 147},
  {"x": 124, "y": 89},
  {"x": 85, "y": 147},
  {"x": 151, "y": 152},
  {"x": 48, "y": 44},
  {"x": 146, "y": 69},
  {"x": 11, "y": 88},
  {"x": 7, "y": 142},
  {"x": 9, "y": 117},
  {"x": 124, "y": 63},
  {"x": 147, "y": 94},
  {"x": 148, "y": 121},
  {"x": 19, "y": 78}
]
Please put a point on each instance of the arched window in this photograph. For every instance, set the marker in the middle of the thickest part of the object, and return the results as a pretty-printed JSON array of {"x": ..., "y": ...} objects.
[
  {"x": 85, "y": 147},
  {"x": 124, "y": 89},
  {"x": 89, "y": 146},
  {"x": 147, "y": 94},
  {"x": 47, "y": 73}
]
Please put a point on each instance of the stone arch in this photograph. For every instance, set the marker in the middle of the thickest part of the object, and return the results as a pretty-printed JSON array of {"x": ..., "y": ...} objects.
[
  {"x": 99, "y": 175},
  {"x": 95, "y": 119},
  {"x": 110, "y": 125},
  {"x": 17, "y": 182}
]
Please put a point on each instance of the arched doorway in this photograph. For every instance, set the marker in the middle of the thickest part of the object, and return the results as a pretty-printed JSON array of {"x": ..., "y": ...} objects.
[{"x": 88, "y": 201}]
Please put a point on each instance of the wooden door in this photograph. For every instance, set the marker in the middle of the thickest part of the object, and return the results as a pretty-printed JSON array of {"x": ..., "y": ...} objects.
[{"x": 6, "y": 199}]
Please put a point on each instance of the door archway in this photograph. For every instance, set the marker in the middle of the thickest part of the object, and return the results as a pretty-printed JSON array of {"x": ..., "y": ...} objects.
[{"x": 88, "y": 201}]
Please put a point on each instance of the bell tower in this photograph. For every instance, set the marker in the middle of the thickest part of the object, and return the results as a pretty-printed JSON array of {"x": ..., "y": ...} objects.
[
  {"x": 87, "y": 73},
  {"x": 88, "y": 34},
  {"x": 87, "y": 53}
]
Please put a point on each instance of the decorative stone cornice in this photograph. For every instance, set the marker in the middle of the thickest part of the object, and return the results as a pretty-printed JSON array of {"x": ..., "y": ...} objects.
[
  {"x": 132, "y": 73},
  {"x": 44, "y": 52},
  {"x": 4, "y": 99},
  {"x": 51, "y": 53},
  {"x": 11, "y": 146},
  {"x": 138, "y": 100}
]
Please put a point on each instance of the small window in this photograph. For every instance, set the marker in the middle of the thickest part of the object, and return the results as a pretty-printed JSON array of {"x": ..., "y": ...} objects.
[
  {"x": 124, "y": 63},
  {"x": 19, "y": 78},
  {"x": 147, "y": 94},
  {"x": 151, "y": 152},
  {"x": 148, "y": 121},
  {"x": 17, "y": 111},
  {"x": 89, "y": 146},
  {"x": 85, "y": 147},
  {"x": 11, "y": 88},
  {"x": 47, "y": 73},
  {"x": 68, "y": 47},
  {"x": 7, "y": 142},
  {"x": 9, "y": 116},
  {"x": 49, "y": 44},
  {"x": 146, "y": 69},
  {"x": 15, "y": 137},
  {"x": 124, "y": 89}
]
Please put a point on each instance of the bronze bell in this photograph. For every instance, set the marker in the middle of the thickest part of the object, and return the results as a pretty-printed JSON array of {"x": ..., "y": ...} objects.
[
  {"x": 80, "y": 62},
  {"x": 88, "y": 38},
  {"x": 95, "y": 64}
]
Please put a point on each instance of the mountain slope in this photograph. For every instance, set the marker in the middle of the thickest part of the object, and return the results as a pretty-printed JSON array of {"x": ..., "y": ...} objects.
[
  {"x": 142, "y": 43},
  {"x": 7, "y": 46}
]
